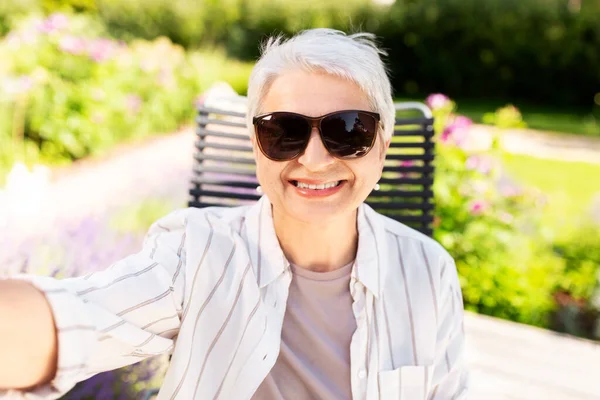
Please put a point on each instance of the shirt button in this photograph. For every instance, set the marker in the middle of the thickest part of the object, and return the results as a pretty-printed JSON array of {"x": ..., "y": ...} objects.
[{"x": 362, "y": 374}]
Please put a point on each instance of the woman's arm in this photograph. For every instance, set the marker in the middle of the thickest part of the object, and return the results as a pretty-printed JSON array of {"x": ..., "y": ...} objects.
[
  {"x": 56, "y": 333},
  {"x": 27, "y": 336}
]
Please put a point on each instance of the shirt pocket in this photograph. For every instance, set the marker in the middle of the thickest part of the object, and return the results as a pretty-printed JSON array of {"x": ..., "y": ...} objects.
[{"x": 405, "y": 383}]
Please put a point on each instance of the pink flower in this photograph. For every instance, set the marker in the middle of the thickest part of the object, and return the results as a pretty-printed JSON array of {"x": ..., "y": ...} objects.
[
  {"x": 407, "y": 163},
  {"x": 55, "y": 22},
  {"x": 72, "y": 45},
  {"x": 101, "y": 50},
  {"x": 480, "y": 163},
  {"x": 506, "y": 217},
  {"x": 478, "y": 207},
  {"x": 509, "y": 190},
  {"x": 437, "y": 100},
  {"x": 133, "y": 103},
  {"x": 17, "y": 86},
  {"x": 457, "y": 130}
]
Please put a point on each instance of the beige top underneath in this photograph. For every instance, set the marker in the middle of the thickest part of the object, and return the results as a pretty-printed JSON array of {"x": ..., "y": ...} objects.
[{"x": 314, "y": 361}]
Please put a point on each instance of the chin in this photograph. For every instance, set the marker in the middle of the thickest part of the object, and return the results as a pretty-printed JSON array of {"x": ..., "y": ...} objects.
[{"x": 318, "y": 212}]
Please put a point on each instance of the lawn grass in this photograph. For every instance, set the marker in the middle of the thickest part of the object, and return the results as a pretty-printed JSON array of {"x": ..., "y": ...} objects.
[
  {"x": 569, "y": 186},
  {"x": 579, "y": 121}
]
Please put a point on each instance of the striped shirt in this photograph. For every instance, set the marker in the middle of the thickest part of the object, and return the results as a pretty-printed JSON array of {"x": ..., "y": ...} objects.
[{"x": 210, "y": 286}]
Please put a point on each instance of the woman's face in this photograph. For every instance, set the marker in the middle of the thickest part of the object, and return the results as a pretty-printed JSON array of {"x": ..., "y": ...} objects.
[{"x": 314, "y": 95}]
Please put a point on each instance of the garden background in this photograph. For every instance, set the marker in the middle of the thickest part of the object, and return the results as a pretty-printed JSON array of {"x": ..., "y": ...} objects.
[{"x": 83, "y": 79}]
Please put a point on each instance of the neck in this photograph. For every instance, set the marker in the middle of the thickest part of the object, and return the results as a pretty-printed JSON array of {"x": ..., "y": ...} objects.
[{"x": 318, "y": 247}]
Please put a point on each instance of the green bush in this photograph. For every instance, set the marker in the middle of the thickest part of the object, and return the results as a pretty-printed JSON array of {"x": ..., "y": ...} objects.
[
  {"x": 538, "y": 50},
  {"x": 577, "y": 293},
  {"x": 489, "y": 224},
  {"x": 68, "y": 91},
  {"x": 510, "y": 264},
  {"x": 259, "y": 18},
  {"x": 12, "y": 10}
]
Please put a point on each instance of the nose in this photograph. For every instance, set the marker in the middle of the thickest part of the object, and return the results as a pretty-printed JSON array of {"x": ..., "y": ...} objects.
[{"x": 315, "y": 157}]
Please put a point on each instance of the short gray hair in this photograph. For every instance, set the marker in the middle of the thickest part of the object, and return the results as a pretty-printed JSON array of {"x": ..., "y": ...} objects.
[{"x": 354, "y": 57}]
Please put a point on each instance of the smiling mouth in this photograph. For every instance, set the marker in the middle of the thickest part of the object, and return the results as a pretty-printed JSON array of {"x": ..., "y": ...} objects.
[{"x": 322, "y": 186}]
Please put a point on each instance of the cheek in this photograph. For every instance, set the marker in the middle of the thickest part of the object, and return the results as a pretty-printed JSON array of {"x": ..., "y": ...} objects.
[{"x": 268, "y": 172}]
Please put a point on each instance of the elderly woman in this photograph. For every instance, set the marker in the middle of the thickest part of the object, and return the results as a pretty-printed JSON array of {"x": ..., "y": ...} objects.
[{"x": 307, "y": 294}]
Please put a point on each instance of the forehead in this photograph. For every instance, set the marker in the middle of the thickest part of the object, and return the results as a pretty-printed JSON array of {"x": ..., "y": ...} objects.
[{"x": 313, "y": 94}]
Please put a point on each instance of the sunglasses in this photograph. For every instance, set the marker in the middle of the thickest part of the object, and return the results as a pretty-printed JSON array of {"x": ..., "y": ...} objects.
[{"x": 348, "y": 134}]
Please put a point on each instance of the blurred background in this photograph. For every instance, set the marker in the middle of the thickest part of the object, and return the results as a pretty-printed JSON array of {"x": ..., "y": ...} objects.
[{"x": 97, "y": 105}]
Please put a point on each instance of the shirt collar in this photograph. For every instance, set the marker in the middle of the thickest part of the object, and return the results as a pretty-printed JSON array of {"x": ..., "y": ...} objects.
[
  {"x": 368, "y": 268},
  {"x": 268, "y": 260}
]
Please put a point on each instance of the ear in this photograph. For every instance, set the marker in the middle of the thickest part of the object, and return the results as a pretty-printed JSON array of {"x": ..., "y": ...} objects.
[
  {"x": 384, "y": 149},
  {"x": 387, "y": 145}
]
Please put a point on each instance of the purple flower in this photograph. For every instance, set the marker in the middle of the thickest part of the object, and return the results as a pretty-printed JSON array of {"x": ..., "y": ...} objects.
[{"x": 437, "y": 100}]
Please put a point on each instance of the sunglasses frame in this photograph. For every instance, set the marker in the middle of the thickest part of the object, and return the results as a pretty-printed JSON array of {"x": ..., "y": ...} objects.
[{"x": 315, "y": 122}]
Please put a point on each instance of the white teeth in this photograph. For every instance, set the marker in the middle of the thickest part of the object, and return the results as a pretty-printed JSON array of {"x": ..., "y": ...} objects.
[{"x": 322, "y": 186}]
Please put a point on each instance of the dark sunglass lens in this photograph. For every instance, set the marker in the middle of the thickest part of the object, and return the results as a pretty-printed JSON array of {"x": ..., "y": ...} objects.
[
  {"x": 282, "y": 137},
  {"x": 349, "y": 134}
]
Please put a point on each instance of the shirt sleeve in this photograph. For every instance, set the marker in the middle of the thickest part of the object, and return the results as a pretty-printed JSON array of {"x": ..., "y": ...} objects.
[
  {"x": 117, "y": 317},
  {"x": 450, "y": 375}
]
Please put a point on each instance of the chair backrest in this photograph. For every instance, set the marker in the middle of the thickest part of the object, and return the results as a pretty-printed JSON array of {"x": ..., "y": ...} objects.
[{"x": 224, "y": 172}]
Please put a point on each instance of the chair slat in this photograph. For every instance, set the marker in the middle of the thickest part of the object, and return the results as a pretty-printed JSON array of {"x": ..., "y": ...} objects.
[
  {"x": 203, "y": 120},
  {"x": 400, "y": 205},
  {"x": 203, "y": 204},
  {"x": 411, "y": 145},
  {"x": 414, "y": 121},
  {"x": 406, "y": 181},
  {"x": 417, "y": 133},
  {"x": 200, "y": 180},
  {"x": 201, "y": 144},
  {"x": 224, "y": 158},
  {"x": 410, "y": 157},
  {"x": 224, "y": 170},
  {"x": 402, "y": 193},
  {"x": 208, "y": 110},
  {"x": 427, "y": 169},
  {"x": 229, "y": 195},
  {"x": 203, "y": 132}
]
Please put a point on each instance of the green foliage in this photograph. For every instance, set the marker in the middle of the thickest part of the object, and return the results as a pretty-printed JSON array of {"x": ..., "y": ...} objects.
[
  {"x": 487, "y": 223},
  {"x": 511, "y": 263},
  {"x": 577, "y": 293},
  {"x": 537, "y": 50},
  {"x": 239, "y": 25},
  {"x": 51, "y": 6},
  {"x": 506, "y": 117},
  {"x": 259, "y": 18},
  {"x": 581, "y": 252},
  {"x": 543, "y": 51},
  {"x": 12, "y": 10},
  {"x": 180, "y": 20},
  {"x": 68, "y": 91}
]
